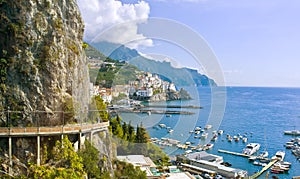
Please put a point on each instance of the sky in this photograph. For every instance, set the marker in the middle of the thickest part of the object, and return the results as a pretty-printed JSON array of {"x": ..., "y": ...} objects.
[{"x": 256, "y": 43}]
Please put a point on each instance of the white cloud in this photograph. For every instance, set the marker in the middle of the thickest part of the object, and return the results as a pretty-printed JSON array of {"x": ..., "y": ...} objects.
[{"x": 114, "y": 21}]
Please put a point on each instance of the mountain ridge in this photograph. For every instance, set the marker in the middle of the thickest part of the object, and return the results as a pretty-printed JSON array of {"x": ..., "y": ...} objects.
[{"x": 180, "y": 76}]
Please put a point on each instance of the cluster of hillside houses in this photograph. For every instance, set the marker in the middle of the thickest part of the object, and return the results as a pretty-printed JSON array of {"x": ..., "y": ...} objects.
[{"x": 146, "y": 85}]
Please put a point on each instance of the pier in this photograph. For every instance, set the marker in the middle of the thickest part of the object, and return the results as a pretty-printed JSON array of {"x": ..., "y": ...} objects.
[
  {"x": 150, "y": 111},
  {"x": 171, "y": 106},
  {"x": 233, "y": 153},
  {"x": 256, "y": 175}
]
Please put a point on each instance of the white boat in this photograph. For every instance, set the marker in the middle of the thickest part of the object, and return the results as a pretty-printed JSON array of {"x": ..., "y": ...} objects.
[
  {"x": 245, "y": 139},
  {"x": 251, "y": 148},
  {"x": 236, "y": 138},
  {"x": 265, "y": 154},
  {"x": 149, "y": 113},
  {"x": 197, "y": 128},
  {"x": 220, "y": 132},
  {"x": 229, "y": 138},
  {"x": 208, "y": 126},
  {"x": 204, "y": 135},
  {"x": 252, "y": 158},
  {"x": 187, "y": 143},
  {"x": 188, "y": 151},
  {"x": 279, "y": 156},
  {"x": 162, "y": 125},
  {"x": 289, "y": 145},
  {"x": 170, "y": 130},
  {"x": 293, "y": 132},
  {"x": 191, "y": 131},
  {"x": 208, "y": 146},
  {"x": 214, "y": 138},
  {"x": 197, "y": 132}
]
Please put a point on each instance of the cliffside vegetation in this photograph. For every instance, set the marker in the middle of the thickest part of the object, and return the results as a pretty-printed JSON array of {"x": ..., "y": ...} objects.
[
  {"x": 115, "y": 73},
  {"x": 131, "y": 141}
]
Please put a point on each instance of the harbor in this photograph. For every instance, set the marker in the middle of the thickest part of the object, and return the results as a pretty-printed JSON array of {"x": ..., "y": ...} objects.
[{"x": 189, "y": 128}]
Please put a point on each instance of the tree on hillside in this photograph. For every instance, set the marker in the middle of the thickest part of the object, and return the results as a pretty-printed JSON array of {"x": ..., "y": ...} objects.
[
  {"x": 90, "y": 158},
  {"x": 99, "y": 108},
  {"x": 131, "y": 133},
  {"x": 64, "y": 163},
  {"x": 141, "y": 134}
]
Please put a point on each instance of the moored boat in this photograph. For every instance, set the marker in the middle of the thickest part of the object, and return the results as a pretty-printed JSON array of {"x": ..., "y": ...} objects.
[
  {"x": 170, "y": 130},
  {"x": 220, "y": 132},
  {"x": 208, "y": 146},
  {"x": 292, "y": 132},
  {"x": 208, "y": 126},
  {"x": 289, "y": 145},
  {"x": 279, "y": 156},
  {"x": 197, "y": 128},
  {"x": 204, "y": 135},
  {"x": 162, "y": 125},
  {"x": 251, "y": 148},
  {"x": 265, "y": 154},
  {"x": 214, "y": 138},
  {"x": 236, "y": 138}
]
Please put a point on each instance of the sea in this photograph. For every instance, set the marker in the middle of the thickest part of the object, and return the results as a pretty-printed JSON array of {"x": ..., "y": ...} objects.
[{"x": 260, "y": 113}]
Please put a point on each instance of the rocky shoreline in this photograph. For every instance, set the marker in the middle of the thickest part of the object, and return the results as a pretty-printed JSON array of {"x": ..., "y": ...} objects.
[{"x": 182, "y": 94}]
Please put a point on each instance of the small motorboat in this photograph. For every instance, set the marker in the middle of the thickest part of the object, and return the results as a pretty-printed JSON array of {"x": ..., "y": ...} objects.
[
  {"x": 208, "y": 146},
  {"x": 162, "y": 125},
  {"x": 170, "y": 130},
  {"x": 279, "y": 156},
  {"x": 220, "y": 132},
  {"x": 208, "y": 126},
  {"x": 197, "y": 128},
  {"x": 265, "y": 154},
  {"x": 214, "y": 138},
  {"x": 204, "y": 135}
]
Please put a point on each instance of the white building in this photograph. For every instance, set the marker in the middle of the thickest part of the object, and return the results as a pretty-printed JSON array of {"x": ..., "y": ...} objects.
[
  {"x": 145, "y": 163},
  {"x": 145, "y": 93},
  {"x": 202, "y": 161},
  {"x": 172, "y": 87}
]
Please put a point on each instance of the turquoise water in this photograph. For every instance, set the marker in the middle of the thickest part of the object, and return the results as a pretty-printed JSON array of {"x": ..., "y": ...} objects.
[{"x": 264, "y": 112}]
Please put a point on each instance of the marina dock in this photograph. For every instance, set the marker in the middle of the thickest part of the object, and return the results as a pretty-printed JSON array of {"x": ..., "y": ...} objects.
[
  {"x": 233, "y": 153},
  {"x": 256, "y": 175},
  {"x": 171, "y": 106},
  {"x": 155, "y": 111}
]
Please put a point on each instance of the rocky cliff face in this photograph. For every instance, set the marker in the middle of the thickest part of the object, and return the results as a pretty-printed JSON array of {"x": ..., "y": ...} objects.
[{"x": 44, "y": 74}]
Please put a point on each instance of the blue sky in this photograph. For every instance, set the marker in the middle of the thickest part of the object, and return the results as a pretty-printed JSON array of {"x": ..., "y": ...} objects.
[{"x": 256, "y": 42}]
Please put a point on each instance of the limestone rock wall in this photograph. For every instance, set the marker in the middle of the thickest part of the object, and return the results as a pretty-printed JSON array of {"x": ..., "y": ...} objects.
[{"x": 44, "y": 74}]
